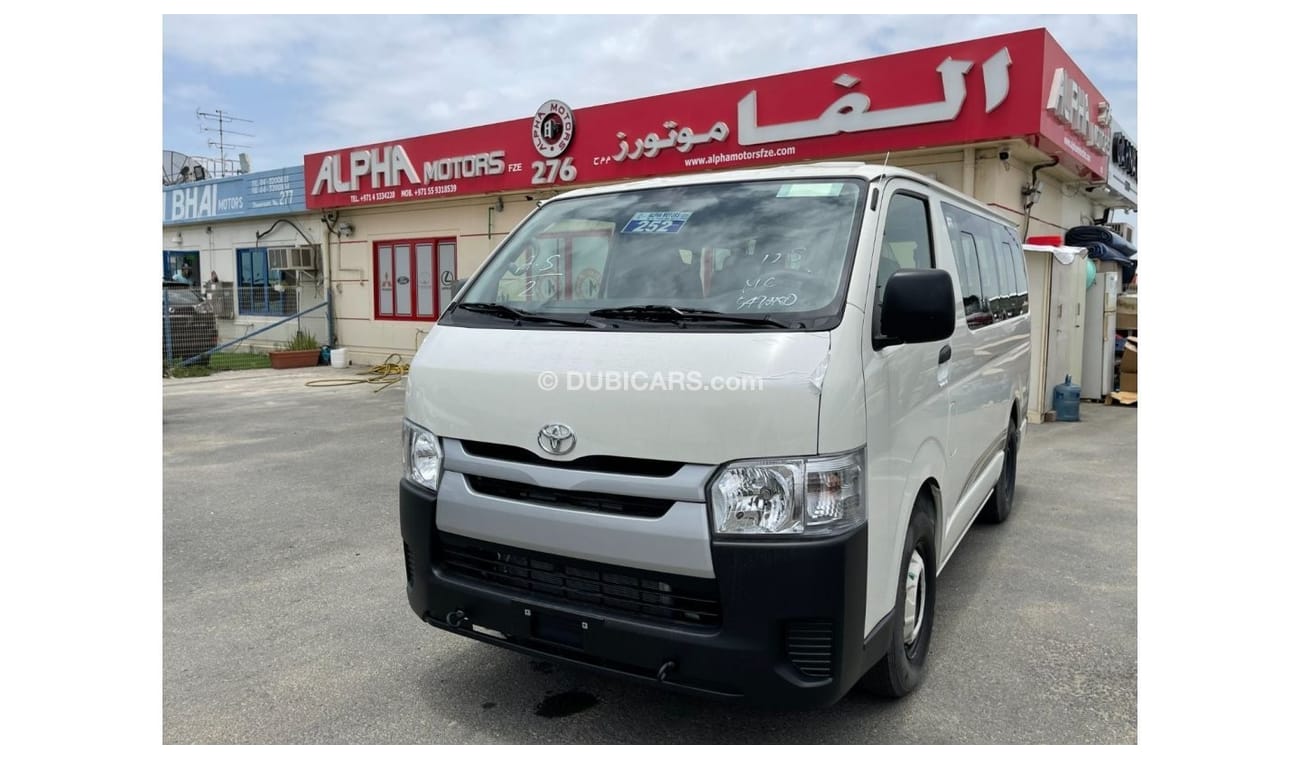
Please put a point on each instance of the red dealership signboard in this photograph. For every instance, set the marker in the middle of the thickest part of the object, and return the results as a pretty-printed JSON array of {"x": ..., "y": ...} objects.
[
  {"x": 987, "y": 89},
  {"x": 1075, "y": 119}
]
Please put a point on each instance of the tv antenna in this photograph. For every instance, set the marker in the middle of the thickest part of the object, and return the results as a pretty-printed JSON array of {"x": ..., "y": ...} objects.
[{"x": 216, "y": 122}]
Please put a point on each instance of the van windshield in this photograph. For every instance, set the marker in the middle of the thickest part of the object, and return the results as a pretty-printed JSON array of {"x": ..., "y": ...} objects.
[{"x": 774, "y": 253}]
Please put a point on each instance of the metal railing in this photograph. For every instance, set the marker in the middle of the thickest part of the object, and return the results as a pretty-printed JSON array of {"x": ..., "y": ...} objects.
[{"x": 195, "y": 327}]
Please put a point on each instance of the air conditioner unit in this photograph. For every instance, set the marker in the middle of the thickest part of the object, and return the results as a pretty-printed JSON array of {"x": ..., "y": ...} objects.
[
  {"x": 300, "y": 257},
  {"x": 1122, "y": 229}
]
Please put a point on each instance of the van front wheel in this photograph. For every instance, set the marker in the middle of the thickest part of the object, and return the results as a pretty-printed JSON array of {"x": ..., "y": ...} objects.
[{"x": 903, "y": 666}]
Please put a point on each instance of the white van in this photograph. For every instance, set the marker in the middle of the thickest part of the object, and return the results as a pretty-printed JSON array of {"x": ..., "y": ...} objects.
[{"x": 720, "y": 432}]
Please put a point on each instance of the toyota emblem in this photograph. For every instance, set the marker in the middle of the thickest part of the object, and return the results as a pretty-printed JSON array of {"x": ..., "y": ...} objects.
[{"x": 556, "y": 439}]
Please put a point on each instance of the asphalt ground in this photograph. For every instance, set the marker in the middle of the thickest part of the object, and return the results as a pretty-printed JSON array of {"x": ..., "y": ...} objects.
[{"x": 285, "y": 617}]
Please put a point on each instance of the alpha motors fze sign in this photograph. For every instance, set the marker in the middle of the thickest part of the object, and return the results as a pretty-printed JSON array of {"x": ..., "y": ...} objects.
[{"x": 987, "y": 89}]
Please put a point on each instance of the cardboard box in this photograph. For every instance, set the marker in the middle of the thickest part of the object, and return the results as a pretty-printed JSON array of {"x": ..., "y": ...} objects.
[
  {"x": 1126, "y": 311},
  {"x": 1129, "y": 361},
  {"x": 1128, "y": 382}
]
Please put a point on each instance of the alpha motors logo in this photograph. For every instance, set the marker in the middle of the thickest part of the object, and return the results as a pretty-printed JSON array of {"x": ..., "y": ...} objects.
[{"x": 552, "y": 129}]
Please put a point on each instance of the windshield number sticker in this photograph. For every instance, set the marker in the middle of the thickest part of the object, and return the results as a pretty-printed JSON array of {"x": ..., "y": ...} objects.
[
  {"x": 656, "y": 221},
  {"x": 766, "y": 302}
]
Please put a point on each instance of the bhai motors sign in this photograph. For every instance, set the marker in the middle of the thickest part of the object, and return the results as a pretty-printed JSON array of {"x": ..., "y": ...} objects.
[{"x": 271, "y": 192}]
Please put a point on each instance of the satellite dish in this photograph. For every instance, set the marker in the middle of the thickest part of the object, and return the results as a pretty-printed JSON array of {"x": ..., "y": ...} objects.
[
  {"x": 245, "y": 166},
  {"x": 178, "y": 167}
]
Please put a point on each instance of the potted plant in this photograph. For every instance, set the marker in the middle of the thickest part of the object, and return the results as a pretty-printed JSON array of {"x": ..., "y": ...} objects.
[{"x": 302, "y": 351}]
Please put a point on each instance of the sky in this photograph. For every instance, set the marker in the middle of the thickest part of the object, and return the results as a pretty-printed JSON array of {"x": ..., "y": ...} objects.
[{"x": 316, "y": 83}]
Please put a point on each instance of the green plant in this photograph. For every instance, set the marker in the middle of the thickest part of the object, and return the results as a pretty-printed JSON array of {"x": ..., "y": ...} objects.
[
  {"x": 236, "y": 361},
  {"x": 302, "y": 342}
]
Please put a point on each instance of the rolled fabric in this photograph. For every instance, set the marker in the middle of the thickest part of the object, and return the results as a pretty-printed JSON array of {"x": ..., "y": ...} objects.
[
  {"x": 1103, "y": 252},
  {"x": 1095, "y": 234}
]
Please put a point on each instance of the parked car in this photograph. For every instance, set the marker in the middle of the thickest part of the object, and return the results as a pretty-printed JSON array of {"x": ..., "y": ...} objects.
[{"x": 188, "y": 323}]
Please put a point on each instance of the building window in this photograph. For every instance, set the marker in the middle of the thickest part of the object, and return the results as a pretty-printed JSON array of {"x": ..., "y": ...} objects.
[
  {"x": 182, "y": 267},
  {"x": 413, "y": 278},
  {"x": 263, "y": 291}
]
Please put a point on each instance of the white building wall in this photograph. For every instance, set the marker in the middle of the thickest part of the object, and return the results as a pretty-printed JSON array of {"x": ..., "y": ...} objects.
[
  {"x": 217, "y": 241},
  {"x": 371, "y": 340}
]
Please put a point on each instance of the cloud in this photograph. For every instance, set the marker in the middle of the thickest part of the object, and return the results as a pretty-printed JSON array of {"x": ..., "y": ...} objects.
[
  {"x": 242, "y": 45},
  {"x": 188, "y": 94}
]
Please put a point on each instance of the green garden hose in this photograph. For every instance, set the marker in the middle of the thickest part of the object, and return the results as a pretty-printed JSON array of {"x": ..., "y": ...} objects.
[{"x": 391, "y": 371}]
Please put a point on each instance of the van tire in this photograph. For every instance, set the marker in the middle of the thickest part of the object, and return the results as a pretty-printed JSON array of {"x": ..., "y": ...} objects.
[
  {"x": 998, "y": 508},
  {"x": 902, "y": 668}
]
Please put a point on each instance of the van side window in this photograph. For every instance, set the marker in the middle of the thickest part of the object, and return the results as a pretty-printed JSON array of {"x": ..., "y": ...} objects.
[
  {"x": 972, "y": 291},
  {"x": 990, "y": 263},
  {"x": 907, "y": 239},
  {"x": 968, "y": 268},
  {"x": 993, "y": 294},
  {"x": 1018, "y": 272},
  {"x": 1006, "y": 278}
]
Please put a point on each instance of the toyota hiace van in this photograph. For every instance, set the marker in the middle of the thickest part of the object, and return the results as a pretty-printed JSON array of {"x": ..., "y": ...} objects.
[{"x": 720, "y": 433}]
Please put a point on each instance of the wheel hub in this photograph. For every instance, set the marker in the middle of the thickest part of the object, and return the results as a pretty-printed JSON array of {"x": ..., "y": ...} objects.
[{"x": 914, "y": 598}]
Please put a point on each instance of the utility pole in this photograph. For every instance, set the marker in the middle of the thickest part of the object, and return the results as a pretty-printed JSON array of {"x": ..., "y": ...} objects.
[{"x": 216, "y": 122}]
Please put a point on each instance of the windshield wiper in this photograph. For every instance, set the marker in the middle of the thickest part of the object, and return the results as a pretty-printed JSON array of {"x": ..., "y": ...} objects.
[
  {"x": 519, "y": 315},
  {"x": 677, "y": 314}
]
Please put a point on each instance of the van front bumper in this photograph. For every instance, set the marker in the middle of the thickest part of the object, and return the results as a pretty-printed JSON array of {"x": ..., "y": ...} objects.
[{"x": 790, "y": 632}]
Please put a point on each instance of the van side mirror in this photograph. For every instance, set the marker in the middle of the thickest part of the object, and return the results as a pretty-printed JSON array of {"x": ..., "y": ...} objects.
[{"x": 918, "y": 306}]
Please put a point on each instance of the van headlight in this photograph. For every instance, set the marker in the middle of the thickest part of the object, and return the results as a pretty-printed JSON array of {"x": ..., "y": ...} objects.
[
  {"x": 422, "y": 455},
  {"x": 808, "y": 496}
]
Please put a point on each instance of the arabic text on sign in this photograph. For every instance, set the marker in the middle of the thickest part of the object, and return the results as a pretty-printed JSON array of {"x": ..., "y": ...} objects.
[
  {"x": 684, "y": 140},
  {"x": 852, "y": 111}
]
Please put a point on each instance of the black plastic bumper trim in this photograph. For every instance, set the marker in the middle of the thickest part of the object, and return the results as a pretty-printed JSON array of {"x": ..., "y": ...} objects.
[{"x": 764, "y": 587}]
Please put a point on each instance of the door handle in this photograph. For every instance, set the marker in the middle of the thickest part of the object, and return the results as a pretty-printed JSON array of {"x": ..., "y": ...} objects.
[{"x": 945, "y": 354}]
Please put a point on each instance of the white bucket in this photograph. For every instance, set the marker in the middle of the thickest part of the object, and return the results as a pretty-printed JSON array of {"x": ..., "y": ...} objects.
[{"x": 338, "y": 357}]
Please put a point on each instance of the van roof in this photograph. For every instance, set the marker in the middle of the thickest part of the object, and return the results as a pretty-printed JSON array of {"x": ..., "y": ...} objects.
[
  {"x": 791, "y": 171},
  {"x": 811, "y": 170}
]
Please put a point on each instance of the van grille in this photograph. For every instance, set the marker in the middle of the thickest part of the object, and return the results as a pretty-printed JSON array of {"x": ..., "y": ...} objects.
[
  {"x": 595, "y": 463},
  {"x": 810, "y": 646},
  {"x": 633, "y": 506},
  {"x": 606, "y": 588}
]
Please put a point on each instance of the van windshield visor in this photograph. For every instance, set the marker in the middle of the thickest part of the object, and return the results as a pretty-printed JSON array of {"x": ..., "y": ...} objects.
[{"x": 776, "y": 254}]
